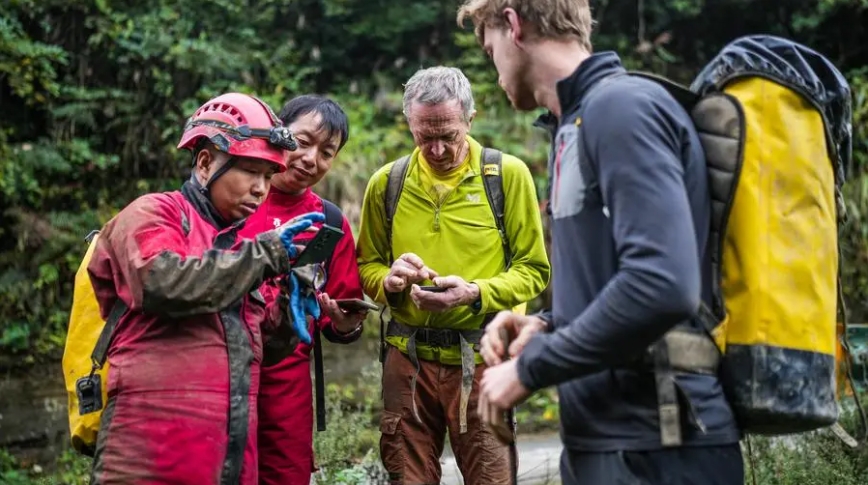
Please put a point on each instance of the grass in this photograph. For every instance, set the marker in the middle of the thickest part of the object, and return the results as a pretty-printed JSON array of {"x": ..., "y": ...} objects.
[
  {"x": 815, "y": 458},
  {"x": 347, "y": 452}
]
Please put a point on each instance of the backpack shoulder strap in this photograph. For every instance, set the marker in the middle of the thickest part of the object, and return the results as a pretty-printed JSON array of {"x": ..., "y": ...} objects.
[
  {"x": 185, "y": 224},
  {"x": 720, "y": 125},
  {"x": 492, "y": 180},
  {"x": 100, "y": 350},
  {"x": 333, "y": 214},
  {"x": 394, "y": 186},
  {"x": 333, "y": 217}
]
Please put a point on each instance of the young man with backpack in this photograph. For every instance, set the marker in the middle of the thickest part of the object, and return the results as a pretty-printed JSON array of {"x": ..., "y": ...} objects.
[
  {"x": 321, "y": 130},
  {"x": 185, "y": 318},
  {"x": 450, "y": 235},
  {"x": 630, "y": 214},
  {"x": 696, "y": 291}
]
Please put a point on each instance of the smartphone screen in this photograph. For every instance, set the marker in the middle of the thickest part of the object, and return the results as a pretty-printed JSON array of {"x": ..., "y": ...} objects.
[{"x": 433, "y": 289}]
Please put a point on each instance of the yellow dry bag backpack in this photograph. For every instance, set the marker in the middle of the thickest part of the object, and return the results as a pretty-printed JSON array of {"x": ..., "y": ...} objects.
[
  {"x": 85, "y": 368},
  {"x": 84, "y": 371},
  {"x": 774, "y": 118}
]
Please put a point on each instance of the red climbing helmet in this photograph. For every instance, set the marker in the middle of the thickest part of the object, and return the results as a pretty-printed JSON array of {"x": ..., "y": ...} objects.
[{"x": 240, "y": 125}]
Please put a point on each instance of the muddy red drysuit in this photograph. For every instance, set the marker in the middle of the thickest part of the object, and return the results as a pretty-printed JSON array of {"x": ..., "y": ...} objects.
[
  {"x": 285, "y": 396},
  {"x": 185, "y": 357}
]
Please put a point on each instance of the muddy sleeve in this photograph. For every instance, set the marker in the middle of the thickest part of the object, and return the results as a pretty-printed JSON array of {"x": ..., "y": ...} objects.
[
  {"x": 633, "y": 146},
  {"x": 153, "y": 259}
]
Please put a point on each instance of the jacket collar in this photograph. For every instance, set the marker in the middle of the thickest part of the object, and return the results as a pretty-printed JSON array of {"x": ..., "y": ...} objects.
[
  {"x": 195, "y": 193},
  {"x": 572, "y": 89},
  {"x": 475, "y": 149}
]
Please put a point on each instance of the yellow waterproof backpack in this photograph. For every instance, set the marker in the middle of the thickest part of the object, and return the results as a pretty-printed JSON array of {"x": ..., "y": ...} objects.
[
  {"x": 85, "y": 368},
  {"x": 774, "y": 118}
]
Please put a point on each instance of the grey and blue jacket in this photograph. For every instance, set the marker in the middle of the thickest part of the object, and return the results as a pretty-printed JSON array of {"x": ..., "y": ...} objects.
[{"x": 630, "y": 209}]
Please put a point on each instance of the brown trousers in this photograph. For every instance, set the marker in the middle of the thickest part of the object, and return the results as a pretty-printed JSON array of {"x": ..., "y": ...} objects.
[{"x": 411, "y": 450}]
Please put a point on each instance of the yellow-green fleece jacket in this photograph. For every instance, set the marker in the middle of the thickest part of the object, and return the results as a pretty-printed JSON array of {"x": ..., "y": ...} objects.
[{"x": 458, "y": 237}]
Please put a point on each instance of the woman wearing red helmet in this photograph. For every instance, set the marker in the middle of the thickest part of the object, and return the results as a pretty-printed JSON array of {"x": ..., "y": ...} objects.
[{"x": 185, "y": 354}]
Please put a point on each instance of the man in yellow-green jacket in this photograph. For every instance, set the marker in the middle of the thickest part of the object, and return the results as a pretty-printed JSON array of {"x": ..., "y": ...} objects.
[{"x": 433, "y": 248}]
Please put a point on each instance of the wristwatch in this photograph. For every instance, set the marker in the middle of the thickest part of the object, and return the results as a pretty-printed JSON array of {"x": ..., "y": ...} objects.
[
  {"x": 351, "y": 333},
  {"x": 476, "y": 306}
]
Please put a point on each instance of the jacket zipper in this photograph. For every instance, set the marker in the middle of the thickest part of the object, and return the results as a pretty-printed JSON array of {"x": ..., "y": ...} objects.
[{"x": 439, "y": 204}]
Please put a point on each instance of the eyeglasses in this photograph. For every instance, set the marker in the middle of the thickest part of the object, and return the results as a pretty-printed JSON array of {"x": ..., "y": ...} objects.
[{"x": 280, "y": 136}]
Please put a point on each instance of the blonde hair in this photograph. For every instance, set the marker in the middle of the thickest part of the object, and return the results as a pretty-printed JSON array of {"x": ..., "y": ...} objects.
[{"x": 549, "y": 19}]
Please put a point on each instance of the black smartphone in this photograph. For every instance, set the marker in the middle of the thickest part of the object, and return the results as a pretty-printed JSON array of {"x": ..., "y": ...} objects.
[
  {"x": 433, "y": 289},
  {"x": 318, "y": 249},
  {"x": 355, "y": 305}
]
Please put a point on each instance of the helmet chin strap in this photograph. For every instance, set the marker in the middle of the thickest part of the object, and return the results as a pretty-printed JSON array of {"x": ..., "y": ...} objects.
[
  {"x": 205, "y": 189},
  {"x": 205, "y": 192}
]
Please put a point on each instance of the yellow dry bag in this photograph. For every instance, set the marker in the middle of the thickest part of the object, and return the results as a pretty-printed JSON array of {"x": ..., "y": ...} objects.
[{"x": 774, "y": 119}]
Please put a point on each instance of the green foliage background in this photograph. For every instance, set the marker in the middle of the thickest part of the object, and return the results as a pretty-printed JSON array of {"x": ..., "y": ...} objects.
[{"x": 94, "y": 95}]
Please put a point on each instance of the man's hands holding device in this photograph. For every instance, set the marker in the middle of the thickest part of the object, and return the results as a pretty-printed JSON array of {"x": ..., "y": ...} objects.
[
  {"x": 407, "y": 270},
  {"x": 347, "y": 314},
  {"x": 448, "y": 292},
  {"x": 295, "y": 226},
  {"x": 305, "y": 279}
]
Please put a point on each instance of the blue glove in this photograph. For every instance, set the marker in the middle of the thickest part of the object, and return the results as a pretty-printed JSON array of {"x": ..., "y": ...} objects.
[
  {"x": 302, "y": 302},
  {"x": 291, "y": 229}
]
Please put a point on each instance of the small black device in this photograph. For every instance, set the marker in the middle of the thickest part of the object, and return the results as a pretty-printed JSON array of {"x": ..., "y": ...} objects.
[
  {"x": 318, "y": 249},
  {"x": 356, "y": 305},
  {"x": 434, "y": 289},
  {"x": 88, "y": 390}
]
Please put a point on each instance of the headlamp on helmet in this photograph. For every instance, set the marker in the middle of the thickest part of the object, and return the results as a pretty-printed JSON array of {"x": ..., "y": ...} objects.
[{"x": 280, "y": 136}]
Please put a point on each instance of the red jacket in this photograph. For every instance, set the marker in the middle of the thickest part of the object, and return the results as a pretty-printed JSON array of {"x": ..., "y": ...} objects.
[
  {"x": 184, "y": 360},
  {"x": 285, "y": 408}
]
